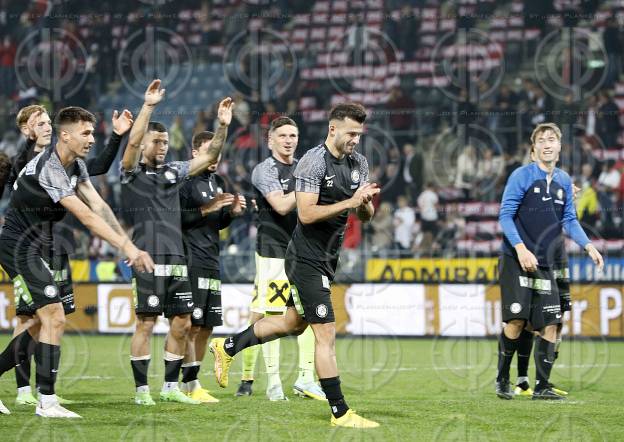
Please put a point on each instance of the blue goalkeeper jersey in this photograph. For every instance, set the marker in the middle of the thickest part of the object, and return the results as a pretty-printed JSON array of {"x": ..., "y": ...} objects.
[{"x": 536, "y": 213}]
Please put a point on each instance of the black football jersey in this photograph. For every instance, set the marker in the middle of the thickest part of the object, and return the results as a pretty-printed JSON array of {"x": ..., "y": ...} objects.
[
  {"x": 34, "y": 206},
  {"x": 201, "y": 233},
  {"x": 151, "y": 205},
  {"x": 334, "y": 180}
]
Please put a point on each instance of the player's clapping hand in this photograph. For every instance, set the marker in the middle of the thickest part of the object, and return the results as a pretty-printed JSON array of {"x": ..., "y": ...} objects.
[
  {"x": 217, "y": 203},
  {"x": 122, "y": 122},
  {"x": 141, "y": 261},
  {"x": 224, "y": 113},
  {"x": 527, "y": 260},
  {"x": 364, "y": 194},
  {"x": 239, "y": 206},
  {"x": 595, "y": 255},
  {"x": 154, "y": 94}
]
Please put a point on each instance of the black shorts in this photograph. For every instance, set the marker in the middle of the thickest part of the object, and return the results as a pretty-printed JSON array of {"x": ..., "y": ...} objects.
[
  {"x": 531, "y": 296},
  {"x": 310, "y": 291},
  {"x": 167, "y": 289},
  {"x": 562, "y": 276},
  {"x": 61, "y": 272},
  {"x": 33, "y": 284},
  {"x": 206, "y": 285}
]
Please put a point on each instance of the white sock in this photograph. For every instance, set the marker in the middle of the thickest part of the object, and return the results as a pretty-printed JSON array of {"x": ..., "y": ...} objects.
[
  {"x": 170, "y": 386},
  {"x": 48, "y": 400},
  {"x": 271, "y": 354},
  {"x": 193, "y": 385},
  {"x": 24, "y": 390},
  {"x": 306, "y": 356},
  {"x": 522, "y": 379},
  {"x": 143, "y": 389}
]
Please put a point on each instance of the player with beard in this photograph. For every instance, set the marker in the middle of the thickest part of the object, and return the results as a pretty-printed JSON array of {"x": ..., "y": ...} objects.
[
  {"x": 330, "y": 180},
  {"x": 274, "y": 186},
  {"x": 52, "y": 183},
  {"x": 151, "y": 201}
]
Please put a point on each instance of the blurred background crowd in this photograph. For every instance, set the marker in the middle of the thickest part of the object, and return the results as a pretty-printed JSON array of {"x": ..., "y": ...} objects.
[{"x": 454, "y": 89}]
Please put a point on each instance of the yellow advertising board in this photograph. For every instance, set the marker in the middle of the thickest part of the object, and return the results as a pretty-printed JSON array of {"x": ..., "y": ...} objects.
[{"x": 432, "y": 270}]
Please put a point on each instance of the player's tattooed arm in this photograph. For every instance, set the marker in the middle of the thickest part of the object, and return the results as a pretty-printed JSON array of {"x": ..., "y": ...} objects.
[
  {"x": 211, "y": 156},
  {"x": 153, "y": 95}
]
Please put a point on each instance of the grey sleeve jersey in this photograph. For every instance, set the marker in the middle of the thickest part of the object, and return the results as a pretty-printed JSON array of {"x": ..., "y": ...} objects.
[
  {"x": 310, "y": 171},
  {"x": 361, "y": 159},
  {"x": 265, "y": 177},
  {"x": 182, "y": 167},
  {"x": 54, "y": 180}
]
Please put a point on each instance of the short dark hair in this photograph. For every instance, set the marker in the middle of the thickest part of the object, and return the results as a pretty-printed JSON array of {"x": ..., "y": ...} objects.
[
  {"x": 282, "y": 121},
  {"x": 200, "y": 138},
  {"x": 355, "y": 111},
  {"x": 155, "y": 126},
  {"x": 73, "y": 114}
]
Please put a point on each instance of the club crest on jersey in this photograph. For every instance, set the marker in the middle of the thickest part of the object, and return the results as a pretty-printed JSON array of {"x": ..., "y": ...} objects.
[
  {"x": 170, "y": 176},
  {"x": 355, "y": 176},
  {"x": 560, "y": 194}
]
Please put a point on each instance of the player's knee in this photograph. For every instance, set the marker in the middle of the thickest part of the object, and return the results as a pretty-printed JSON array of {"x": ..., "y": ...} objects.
[
  {"x": 180, "y": 327},
  {"x": 145, "y": 327},
  {"x": 514, "y": 328},
  {"x": 325, "y": 336},
  {"x": 299, "y": 328},
  {"x": 549, "y": 333}
]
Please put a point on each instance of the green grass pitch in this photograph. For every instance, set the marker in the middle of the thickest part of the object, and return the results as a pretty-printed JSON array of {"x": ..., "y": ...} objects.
[{"x": 434, "y": 389}]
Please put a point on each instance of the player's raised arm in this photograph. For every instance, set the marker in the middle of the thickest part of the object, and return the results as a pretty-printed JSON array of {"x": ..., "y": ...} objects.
[
  {"x": 153, "y": 95},
  {"x": 211, "y": 155},
  {"x": 100, "y": 164}
]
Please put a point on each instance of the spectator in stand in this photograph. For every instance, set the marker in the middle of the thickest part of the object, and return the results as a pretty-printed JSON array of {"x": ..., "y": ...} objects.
[
  {"x": 401, "y": 108},
  {"x": 412, "y": 168},
  {"x": 608, "y": 188},
  {"x": 613, "y": 46},
  {"x": 407, "y": 27},
  {"x": 392, "y": 184},
  {"x": 428, "y": 210},
  {"x": 357, "y": 40},
  {"x": 608, "y": 120},
  {"x": 490, "y": 169},
  {"x": 587, "y": 200},
  {"x": 465, "y": 173},
  {"x": 383, "y": 228},
  {"x": 177, "y": 143},
  {"x": 353, "y": 232},
  {"x": 7, "y": 66},
  {"x": 404, "y": 220},
  {"x": 506, "y": 105}
]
